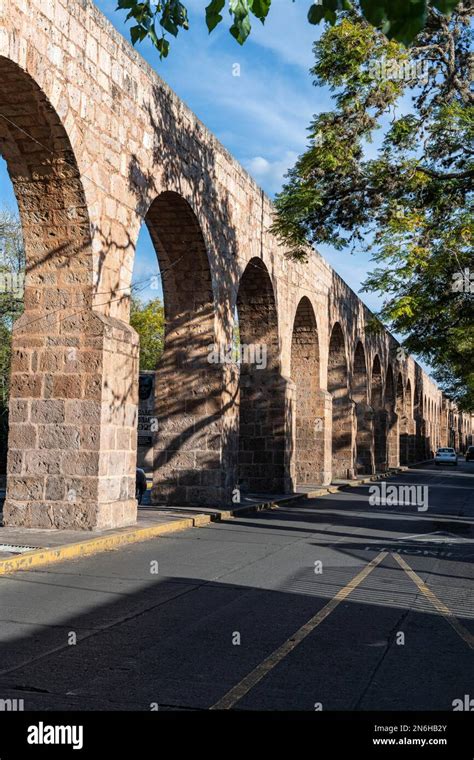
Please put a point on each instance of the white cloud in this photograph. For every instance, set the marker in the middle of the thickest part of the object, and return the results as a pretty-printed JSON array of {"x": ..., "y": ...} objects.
[{"x": 270, "y": 173}]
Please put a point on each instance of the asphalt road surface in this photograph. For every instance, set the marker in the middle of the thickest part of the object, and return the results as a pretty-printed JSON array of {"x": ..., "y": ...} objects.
[{"x": 335, "y": 604}]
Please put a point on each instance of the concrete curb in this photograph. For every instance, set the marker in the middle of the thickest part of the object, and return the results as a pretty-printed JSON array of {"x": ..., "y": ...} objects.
[
  {"x": 257, "y": 507},
  {"x": 326, "y": 490},
  {"x": 49, "y": 556}
]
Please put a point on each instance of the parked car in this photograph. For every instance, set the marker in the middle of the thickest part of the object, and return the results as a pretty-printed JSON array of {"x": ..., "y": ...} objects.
[
  {"x": 140, "y": 486},
  {"x": 446, "y": 456},
  {"x": 470, "y": 454}
]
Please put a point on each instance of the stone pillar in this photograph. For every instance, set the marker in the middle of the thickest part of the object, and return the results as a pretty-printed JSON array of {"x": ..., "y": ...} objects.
[
  {"x": 72, "y": 444},
  {"x": 364, "y": 453},
  {"x": 429, "y": 440},
  {"x": 263, "y": 432},
  {"x": 419, "y": 440},
  {"x": 342, "y": 438},
  {"x": 411, "y": 441},
  {"x": 324, "y": 435},
  {"x": 195, "y": 443},
  {"x": 393, "y": 440},
  {"x": 443, "y": 432},
  {"x": 291, "y": 440},
  {"x": 309, "y": 451},
  {"x": 380, "y": 440},
  {"x": 404, "y": 440},
  {"x": 456, "y": 439}
]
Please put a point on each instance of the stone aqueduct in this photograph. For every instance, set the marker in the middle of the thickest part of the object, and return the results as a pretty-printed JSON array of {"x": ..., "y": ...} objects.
[{"x": 96, "y": 145}]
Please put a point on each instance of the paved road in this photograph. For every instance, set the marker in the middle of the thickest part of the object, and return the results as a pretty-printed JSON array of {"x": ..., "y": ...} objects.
[{"x": 239, "y": 615}]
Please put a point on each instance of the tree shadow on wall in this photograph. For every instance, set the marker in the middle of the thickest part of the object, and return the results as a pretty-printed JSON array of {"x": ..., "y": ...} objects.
[{"x": 189, "y": 210}]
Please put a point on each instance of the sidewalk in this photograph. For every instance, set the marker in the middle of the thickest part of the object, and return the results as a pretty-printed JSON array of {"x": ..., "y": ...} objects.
[{"x": 23, "y": 549}]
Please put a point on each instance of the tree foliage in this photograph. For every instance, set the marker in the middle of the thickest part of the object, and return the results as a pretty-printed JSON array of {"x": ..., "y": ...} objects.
[
  {"x": 148, "y": 319},
  {"x": 411, "y": 204},
  {"x": 12, "y": 266},
  {"x": 401, "y": 20}
]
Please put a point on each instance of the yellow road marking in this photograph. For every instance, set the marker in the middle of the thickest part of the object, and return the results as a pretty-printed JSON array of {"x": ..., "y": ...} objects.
[
  {"x": 241, "y": 689},
  {"x": 437, "y": 603}
]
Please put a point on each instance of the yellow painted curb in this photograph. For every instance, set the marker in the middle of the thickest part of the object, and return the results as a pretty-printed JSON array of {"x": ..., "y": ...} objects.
[{"x": 51, "y": 555}]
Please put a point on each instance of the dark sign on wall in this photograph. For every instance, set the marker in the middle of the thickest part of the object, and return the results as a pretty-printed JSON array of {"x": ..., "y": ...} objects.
[{"x": 146, "y": 402}]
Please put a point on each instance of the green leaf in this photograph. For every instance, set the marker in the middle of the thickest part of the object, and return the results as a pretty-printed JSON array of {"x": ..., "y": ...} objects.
[
  {"x": 397, "y": 19},
  {"x": 240, "y": 29},
  {"x": 167, "y": 23},
  {"x": 330, "y": 16},
  {"x": 163, "y": 46},
  {"x": 213, "y": 12},
  {"x": 445, "y": 6},
  {"x": 154, "y": 36},
  {"x": 260, "y": 8},
  {"x": 142, "y": 14},
  {"x": 125, "y": 4},
  {"x": 174, "y": 17},
  {"x": 138, "y": 33},
  {"x": 326, "y": 10},
  {"x": 315, "y": 14},
  {"x": 181, "y": 16}
]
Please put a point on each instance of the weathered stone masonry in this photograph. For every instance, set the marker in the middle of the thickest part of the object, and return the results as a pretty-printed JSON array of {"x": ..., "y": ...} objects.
[{"x": 96, "y": 145}]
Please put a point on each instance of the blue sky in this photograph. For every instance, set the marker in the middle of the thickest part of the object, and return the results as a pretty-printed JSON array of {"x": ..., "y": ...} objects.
[{"x": 261, "y": 116}]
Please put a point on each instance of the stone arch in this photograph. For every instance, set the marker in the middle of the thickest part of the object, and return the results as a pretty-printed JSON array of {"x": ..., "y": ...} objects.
[
  {"x": 389, "y": 395},
  {"x": 376, "y": 400},
  {"x": 408, "y": 400},
  {"x": 186, "y": 275},
  {"x": 359, "y": 375},
  {"x": 337, "y": 384},
  {"x": 393, "y": 443},
  {"x": 188, "y": 457},
  {"x": 66, "y": 360},
  {"x": 309, "y": 414},
  {"x": 262, "y": 423},
  {"x": 376, "y": 396},
  {"x": 51, "y": 201},
  {"x": 400, "y": 398},
  {"x": 363, "y": 414}
]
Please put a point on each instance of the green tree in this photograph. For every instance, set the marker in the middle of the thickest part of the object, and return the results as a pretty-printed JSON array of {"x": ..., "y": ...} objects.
[
  {"x": 398, "y": 19},
  {"x": 148, "y": 319},
  {"x": 12, "y": 267},
  {"x": 412, "y": 203}
]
